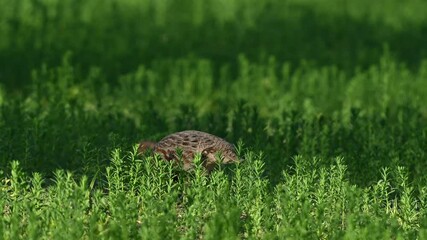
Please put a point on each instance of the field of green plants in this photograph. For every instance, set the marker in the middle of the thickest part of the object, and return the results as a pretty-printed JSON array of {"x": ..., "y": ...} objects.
[{"x": 325, "y": 101}]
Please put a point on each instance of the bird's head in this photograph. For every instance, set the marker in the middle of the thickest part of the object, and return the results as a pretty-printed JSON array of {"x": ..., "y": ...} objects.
[{"x": 146, "y": 146}]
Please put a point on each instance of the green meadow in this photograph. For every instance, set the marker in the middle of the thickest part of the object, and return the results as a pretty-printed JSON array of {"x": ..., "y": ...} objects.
[{"x": 324, "y": 100}]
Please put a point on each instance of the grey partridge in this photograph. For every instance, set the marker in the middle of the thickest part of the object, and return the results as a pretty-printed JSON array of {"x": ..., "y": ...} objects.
[{"x": 191, "y": 142}]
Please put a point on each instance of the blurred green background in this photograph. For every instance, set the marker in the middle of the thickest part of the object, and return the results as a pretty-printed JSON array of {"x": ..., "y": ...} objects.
[
  {"x": 118, "y": 36},
  {"x": 319, "y": 78}
]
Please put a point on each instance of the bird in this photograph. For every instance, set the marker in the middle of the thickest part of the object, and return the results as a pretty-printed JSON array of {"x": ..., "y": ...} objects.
[{"x": 186, "y": 144}]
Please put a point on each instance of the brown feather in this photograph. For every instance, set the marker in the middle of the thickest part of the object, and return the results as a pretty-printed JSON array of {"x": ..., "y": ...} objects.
[{"x": 191, "y": 142}]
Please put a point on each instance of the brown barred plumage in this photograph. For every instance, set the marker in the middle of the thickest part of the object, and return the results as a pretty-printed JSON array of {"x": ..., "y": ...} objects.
[{"x": 191, "y": 142}]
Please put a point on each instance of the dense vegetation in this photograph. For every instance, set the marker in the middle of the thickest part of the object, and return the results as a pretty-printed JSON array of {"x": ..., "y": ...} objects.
[{"x": 324, "y": 100}]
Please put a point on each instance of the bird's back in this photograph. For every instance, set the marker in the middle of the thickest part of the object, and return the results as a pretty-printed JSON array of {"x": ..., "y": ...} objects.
[{"x": 191, "y": 142}]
